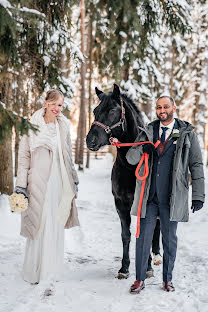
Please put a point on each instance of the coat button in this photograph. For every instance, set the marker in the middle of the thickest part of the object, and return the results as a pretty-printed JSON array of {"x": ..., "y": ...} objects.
[
  {"x": 158, "y": 175},
  {"x": 158, "y": 162}
]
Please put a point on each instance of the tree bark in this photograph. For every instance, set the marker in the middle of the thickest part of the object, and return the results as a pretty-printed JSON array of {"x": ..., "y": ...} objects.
[
  {"x": 6, "y": 164},
  {"x": 125, "y": 72},
  {"x": 82, "y": 115},
  {"x": 172, "y": 69},
  {"x": 17, "y": 140},
  {"x": 6, "y": 176},
  {"x": 90, "y": 83}
]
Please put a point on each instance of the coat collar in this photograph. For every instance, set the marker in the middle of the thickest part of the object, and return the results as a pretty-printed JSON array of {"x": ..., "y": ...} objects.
[
  {"x": 43, "y": 137},
  {"x": 182, "y": 125},
  {"x": 170, "y": 141},
  {"x": 153, "y": 127}
]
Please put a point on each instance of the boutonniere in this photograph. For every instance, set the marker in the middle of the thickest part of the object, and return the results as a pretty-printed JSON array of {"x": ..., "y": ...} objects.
[{"x": 175, "y": 134}]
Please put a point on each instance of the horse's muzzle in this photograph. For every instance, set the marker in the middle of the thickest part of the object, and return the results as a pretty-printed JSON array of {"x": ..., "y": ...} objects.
[
  {"x": 92, "y": 143},
  {"x": 93, "y": 149}
]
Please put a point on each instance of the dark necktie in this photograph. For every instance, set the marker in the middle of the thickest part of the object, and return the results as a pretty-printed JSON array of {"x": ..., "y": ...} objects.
[{"x": 164, "y": 129}]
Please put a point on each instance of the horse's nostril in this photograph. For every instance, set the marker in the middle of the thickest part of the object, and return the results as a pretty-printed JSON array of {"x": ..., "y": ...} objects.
[{"x": 91, "y": 144}]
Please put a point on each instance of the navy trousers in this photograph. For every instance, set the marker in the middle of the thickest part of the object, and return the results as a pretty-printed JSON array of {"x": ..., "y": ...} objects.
[{"x": 169, "y": 239}]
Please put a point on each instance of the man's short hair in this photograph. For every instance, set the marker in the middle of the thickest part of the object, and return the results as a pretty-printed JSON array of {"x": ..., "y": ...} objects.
[{"x": 166, "y": 96}]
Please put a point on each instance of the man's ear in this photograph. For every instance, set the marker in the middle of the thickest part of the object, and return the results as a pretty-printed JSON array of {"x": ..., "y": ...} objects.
[
  {"x": 116, "y": 92},
  {"x": 98, "y": 92}
]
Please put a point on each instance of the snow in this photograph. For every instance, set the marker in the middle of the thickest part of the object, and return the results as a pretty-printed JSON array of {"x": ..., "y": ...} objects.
[
  {"x": 55, "y": 37},
  {"x": 75, "y": 51},
  {"x": 14, "y": 85},
  {"x": 24, "y": 9},
  {"x": 47, "y": 60},
  {"x": 5, "y": 3},
  {"x": 145, "y": 118},
  {"x": 92, "y": 260},
  {"x": 4, "y": 105},
  {"x": 123, "y": 34}
]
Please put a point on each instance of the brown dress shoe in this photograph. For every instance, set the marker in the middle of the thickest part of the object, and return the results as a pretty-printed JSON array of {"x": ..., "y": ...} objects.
[
  {"x": 137, "y": 287},
  {"x": 168, "y": 286}
]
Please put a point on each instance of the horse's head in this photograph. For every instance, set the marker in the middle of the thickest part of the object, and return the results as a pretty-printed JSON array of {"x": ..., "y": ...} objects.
[{"x": 109, "y": 119}]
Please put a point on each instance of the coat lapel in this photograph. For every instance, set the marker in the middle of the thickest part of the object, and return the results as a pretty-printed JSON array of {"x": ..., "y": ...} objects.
[
  {"x": 170, "y": 141},
  {"x": 156, "y": 134}
]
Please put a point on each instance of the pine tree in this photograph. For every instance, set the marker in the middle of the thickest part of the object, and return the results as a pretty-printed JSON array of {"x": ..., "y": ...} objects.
[
  {"x": 34, "y": 35},
  {"x": 124, "y": 30}
]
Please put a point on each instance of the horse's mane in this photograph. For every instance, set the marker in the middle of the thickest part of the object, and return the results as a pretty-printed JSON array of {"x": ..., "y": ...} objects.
[
  {"x": 134, "y": 108},
  {"x": 137, "y": 115}
]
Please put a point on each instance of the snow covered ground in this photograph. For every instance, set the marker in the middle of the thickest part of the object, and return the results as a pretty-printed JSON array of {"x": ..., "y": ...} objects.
[{"x": 92, "y": 259}]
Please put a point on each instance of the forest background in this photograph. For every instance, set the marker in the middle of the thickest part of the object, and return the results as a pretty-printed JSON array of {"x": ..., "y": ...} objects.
[{"x": 148, "y": 47}]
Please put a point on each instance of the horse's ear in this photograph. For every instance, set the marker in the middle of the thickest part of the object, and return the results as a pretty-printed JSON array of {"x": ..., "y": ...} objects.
[
  {"x": 98, "y": 92},
  {"x": 116, "y": 91}
]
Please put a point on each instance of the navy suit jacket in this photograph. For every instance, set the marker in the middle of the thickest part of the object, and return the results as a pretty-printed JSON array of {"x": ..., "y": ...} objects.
[{"x": 161, "y": 178}]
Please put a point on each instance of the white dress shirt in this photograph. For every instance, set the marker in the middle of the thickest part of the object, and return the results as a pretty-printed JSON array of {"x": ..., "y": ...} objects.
[{"x": 168, "y": 132}]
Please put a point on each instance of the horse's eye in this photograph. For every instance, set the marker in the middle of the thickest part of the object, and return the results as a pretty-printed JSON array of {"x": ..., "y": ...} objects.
[
  {"x": 112, "y": 115},
  {"x": 112, "y": 111}
]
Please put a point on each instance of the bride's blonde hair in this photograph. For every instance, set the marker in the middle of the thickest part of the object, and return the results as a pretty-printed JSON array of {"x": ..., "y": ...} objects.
[{"x": 53, "y": 95}]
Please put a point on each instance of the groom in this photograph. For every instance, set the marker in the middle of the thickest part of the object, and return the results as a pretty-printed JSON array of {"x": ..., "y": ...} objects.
[{"x": 166, "y": 190}]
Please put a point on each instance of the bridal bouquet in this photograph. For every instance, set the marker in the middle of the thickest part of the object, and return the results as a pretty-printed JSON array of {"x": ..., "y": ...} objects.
[{"x": 18, "y": 202}]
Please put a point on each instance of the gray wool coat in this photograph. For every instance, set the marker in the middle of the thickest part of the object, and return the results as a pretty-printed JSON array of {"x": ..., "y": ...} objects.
[{"x": 187, "y": 158}]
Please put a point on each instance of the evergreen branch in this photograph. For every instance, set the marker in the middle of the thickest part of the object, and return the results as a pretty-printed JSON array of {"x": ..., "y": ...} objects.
[{"x": 9, "y": 119}]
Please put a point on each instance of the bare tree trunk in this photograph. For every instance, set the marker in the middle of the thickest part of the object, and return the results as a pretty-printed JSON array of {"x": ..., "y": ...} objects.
[
  {"x": 172, "y": 68},
  {"x": 17, "y": 140},
  {"x": 6, "y": 165},
  {"x": 199, "y": 111},
  {"x": 90, "y": 83},
  {"x": 6, "y": 176},
  {"x": 125, "y": 72},
  {"x": 77, "y": 144},
  {"x": 82, "y": 115}
]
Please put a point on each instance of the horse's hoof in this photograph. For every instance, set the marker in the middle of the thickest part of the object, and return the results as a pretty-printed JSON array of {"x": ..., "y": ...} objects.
[
  {"x": 157, "y": 259},
  {"x": 149, "y": 273},
  {"x": 122, "y": 275}
]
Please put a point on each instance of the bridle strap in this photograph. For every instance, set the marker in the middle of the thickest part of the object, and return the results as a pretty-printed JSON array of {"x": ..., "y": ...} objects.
[
  {"x": 99, "y": 124},
  {"x": 119, "y": 123},
  {"x": 122, "y": 109}
]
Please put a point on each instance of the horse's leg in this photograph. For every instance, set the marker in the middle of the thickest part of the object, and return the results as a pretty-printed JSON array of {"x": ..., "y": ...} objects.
[
  {"x": 125, "y": 218},
  {"x": 157, "y": 259},
  {"x": 156, "y": 239}
]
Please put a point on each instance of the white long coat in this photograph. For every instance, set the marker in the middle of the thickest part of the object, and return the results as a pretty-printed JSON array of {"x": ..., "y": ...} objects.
[{"x": 34, "y": 165}]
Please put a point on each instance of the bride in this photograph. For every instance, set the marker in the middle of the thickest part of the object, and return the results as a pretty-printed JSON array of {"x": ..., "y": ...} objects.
[{"x": 46, "y": 174}]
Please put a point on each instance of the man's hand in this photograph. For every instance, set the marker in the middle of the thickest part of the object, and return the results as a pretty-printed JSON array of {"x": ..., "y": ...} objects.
[
  {"x": 196, "y": 205},
  {"x": 148, "y": 148}
]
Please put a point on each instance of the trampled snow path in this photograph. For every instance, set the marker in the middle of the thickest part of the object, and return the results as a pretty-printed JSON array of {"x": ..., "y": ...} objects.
[{"x": 92, "y": 259}]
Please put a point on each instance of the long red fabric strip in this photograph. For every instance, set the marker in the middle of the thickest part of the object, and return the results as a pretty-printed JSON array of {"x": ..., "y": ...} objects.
[{"x": 144, "y": 159}]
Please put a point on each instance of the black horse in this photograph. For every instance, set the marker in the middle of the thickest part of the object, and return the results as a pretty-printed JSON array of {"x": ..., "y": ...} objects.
[{"x": 117, "y": 116}]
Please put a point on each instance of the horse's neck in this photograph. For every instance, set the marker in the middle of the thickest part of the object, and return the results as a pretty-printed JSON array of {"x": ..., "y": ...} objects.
[
  {"x": 131, "y": 128},
  {"x": 130, "y": 134}
]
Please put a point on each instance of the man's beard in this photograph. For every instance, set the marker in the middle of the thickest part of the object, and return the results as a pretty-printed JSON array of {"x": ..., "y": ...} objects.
[{"x": 166, "y": 117}]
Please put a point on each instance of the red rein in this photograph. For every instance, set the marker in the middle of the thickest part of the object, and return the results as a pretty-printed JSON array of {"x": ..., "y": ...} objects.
[{"x": 144, "y": 159}]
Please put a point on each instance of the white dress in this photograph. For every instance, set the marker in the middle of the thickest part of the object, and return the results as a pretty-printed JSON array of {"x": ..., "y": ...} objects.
[{"x": 44, "y": 256}]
